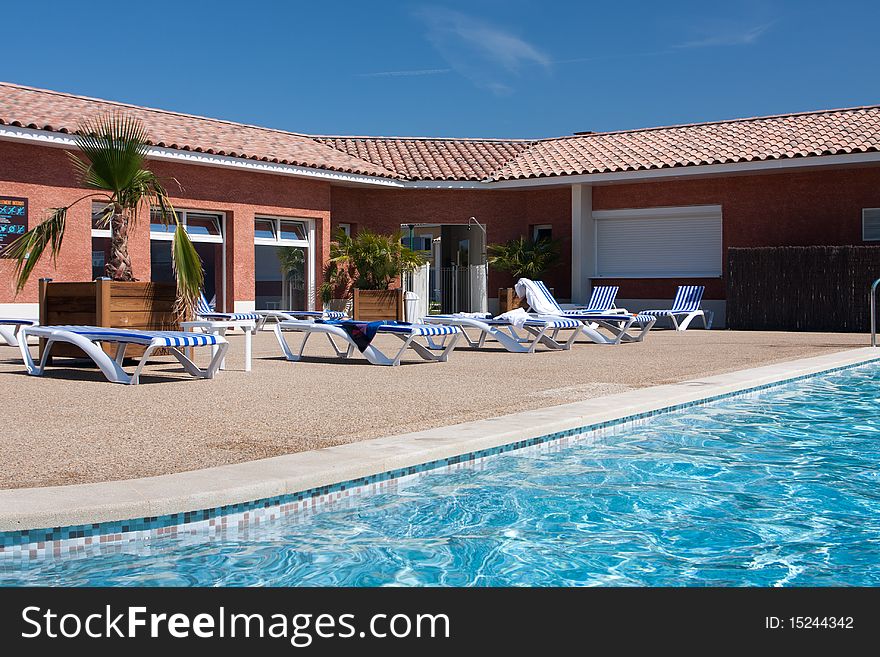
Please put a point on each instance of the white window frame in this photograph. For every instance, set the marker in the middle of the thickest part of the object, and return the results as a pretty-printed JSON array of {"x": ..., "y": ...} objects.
[
  {"x": 345, "y": 228},
  {"x": 308, "y": 244},
  {"x": 538, "y": 227},
  {"x": 99, "y": 232},
  {"x": 865, "y": 238},
  {"x": 210, "y": 239},
  {"x": 214, "y": 239},
  {"x": 659, "y": 213}
]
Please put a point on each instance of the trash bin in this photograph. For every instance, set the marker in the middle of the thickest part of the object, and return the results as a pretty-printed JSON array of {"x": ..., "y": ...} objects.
[{"x": 411, "y": 306}]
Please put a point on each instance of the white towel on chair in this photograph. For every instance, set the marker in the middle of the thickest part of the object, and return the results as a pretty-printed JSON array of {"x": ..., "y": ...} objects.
[
  {"x": 517, "y": 317},
  {"x": 473, "y": 315},
  {"x": 526, "y": 289}
]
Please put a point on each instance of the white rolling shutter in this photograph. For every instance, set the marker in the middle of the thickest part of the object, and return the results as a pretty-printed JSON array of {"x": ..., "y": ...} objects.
[{"x": 659, "y": 242}]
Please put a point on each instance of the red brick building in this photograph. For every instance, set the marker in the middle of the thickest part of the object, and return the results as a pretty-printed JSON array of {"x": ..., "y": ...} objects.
[{"x": 646, "y": 209}]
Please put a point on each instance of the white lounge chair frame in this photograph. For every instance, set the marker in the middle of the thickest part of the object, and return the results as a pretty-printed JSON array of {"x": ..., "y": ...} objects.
[
  {"x": 543, "y": 330},
  {"x": 89, "y": 339},
  {"x": 278, "y": 316},
  {"x": 10, "y": 329},
  {"x": 371, "y": 353},
  {"x": 619, "y": 325}
]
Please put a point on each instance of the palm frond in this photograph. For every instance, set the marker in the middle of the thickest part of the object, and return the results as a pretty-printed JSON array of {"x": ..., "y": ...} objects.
[
  {"x": 187, "y": 270},
  {"x": 29, "y": 248},
  {"x": 522, "y": 257},
  {"x": 373, "y": 260},
  {"x": 115, "y": 148}
]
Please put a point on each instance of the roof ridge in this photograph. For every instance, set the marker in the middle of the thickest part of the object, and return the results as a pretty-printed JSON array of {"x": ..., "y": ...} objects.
[
  {"x": 694, "y": 124},
  {"x": 498, "y": 140},
  {"x": 159, "y": 110}
]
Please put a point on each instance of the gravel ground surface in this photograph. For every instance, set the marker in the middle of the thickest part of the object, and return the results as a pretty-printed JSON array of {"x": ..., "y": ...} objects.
[{"x": 71, "y": 426}]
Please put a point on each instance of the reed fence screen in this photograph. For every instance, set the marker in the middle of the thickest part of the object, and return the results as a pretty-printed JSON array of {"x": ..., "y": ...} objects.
[{"x": 801, "y": 288}]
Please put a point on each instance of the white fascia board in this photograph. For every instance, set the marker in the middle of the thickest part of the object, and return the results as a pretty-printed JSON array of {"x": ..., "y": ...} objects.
[
  {"x": 446, "y": 184},
  {"x": 62, "y": 140}
]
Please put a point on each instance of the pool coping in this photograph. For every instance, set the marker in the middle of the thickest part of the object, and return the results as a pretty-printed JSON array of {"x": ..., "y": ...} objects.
[{"x": 225, "y": 486}]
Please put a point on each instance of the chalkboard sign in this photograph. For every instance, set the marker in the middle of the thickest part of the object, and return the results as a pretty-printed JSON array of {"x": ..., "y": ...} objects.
[{"x": 13, "y": 219}]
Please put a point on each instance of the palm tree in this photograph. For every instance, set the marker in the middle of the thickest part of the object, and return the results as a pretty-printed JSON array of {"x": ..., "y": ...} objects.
[
  {"x": 373, "y": 260},
  {"x": 524, "y": 258},
  {"x": 115, "y": 150}
]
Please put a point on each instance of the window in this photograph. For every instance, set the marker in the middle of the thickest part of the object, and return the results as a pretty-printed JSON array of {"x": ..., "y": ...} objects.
[
  {"x": 418, "y": 242},
  {"x": 871, "y": 224},
  {"x": 157, "y": 225},
  {"x": 100, "y": 254},
  {"x": 284, "y": 262},
  {"x": 345, "y": 228},
  {"x": 659, "y": 242},
  {"x": 100, "y": 220},
  {"x": 100, "y": 239},
  {"x": 278, "y": 230},
  {"x": 542, "y": 232},
  {"x": 292, "y": 230},
  {"x": 206, "y": 230},
  {"x": 200, "y": 226}
]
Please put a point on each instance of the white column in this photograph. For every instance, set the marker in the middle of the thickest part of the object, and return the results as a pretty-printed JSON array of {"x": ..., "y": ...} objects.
[{"x": 583, "y": 251}]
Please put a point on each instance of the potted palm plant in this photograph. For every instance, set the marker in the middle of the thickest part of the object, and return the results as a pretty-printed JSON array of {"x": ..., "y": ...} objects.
[
  {"x": 521, "y": 258},
  {"x": 335, "y": 290},
  {"x": 111, "y": 163},
  {"x": 373, "y": 262}
]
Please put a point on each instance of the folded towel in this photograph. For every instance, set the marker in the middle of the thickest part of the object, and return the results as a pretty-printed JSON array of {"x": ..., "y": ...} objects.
[
  {"x": 473, "y": 315},
  {"x": 517, "y": 317}
]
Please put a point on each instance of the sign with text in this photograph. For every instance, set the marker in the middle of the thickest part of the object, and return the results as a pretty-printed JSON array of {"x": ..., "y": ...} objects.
[{"x": 13, "y": 219}]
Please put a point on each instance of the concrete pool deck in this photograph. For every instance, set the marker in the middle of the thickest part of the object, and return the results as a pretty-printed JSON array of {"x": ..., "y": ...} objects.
[
  {"x": 54, "y": 506},
  {"x": 73, "y": 427}
]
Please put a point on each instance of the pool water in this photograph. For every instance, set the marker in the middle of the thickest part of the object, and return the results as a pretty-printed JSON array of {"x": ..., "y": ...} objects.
[{"x": 775, "y": 488}]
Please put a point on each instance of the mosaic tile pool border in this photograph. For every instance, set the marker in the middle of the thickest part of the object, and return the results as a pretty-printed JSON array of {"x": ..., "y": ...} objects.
[{"x": 59, "y": 541}]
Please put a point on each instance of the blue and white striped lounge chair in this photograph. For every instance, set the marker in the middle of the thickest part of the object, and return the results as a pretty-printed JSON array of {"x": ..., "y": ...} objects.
[
  {"x": 90, "y": 338},
  {"x": 621, "y": 326},
  {"x": 601, "y": 299},
  {"x": 206, "y": 311},
  {"x": 409, "y": 333},
  {"x": 686, "y": 303},
  {"x": 10, "y": 328},
  {"x": 536, "y": 331}
]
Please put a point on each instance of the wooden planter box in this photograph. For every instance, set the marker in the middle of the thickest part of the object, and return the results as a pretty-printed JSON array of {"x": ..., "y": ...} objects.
[
  {"x": 116, "y": 304},
  {"x": 507, "y": 300},
  {"x": 372, "y": 305}
]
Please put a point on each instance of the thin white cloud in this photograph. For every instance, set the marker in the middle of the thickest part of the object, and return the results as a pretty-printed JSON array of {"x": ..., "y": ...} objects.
[
  {"x": 486, "y": 54},
  {"x": 409, "y": 73},
  {"x": 729, "y": 37}
]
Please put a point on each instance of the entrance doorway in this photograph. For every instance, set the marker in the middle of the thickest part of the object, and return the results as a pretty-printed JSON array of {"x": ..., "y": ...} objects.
[{"x": 456, "y": 255}]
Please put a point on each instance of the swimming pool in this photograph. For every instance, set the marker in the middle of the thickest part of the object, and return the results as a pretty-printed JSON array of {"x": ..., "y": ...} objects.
[{"x": 778, "y": 487}]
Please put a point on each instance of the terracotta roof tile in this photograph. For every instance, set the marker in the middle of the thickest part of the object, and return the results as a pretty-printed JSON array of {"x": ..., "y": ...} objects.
[
  {"x": 59, "y": 112},
  {"x": 811, "y": 134},
  {"x": 419, "y": 158}
]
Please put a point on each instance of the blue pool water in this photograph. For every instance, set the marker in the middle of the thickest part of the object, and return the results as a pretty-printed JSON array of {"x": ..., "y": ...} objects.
[{"x": 776, "y": 488}]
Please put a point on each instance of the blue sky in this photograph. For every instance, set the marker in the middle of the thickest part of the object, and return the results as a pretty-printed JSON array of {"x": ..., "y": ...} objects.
[{"x": 492, "y": 68}]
